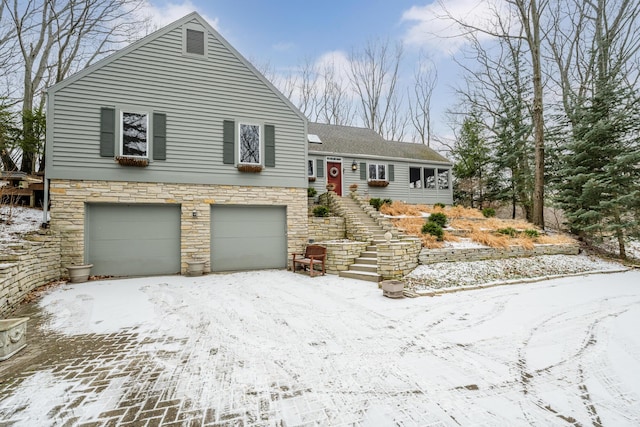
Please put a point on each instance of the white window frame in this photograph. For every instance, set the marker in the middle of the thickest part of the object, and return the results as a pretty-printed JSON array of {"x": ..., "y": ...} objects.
[
  {"x": 122, "y": 112},
  {"x": 386, "y": 172},
  {"x": 194, "y": 27},
  {"x": 312, "y": 163},
  {"x": 260, "y": 141}
]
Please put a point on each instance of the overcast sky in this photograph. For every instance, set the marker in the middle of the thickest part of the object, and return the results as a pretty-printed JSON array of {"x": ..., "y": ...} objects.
[{"x": 284, "y": 33}]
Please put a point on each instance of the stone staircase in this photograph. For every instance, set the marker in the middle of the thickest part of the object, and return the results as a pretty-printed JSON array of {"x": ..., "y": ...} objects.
[{"x": 366, "y": 265}]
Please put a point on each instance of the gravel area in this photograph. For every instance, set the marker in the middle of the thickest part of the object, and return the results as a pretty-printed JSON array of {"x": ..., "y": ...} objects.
[{"x": 478, "y": 273}]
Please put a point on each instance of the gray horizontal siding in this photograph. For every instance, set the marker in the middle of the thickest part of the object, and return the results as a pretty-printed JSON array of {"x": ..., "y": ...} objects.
[
  {"x": 398, "y": 189},
  {"x": 197, "y": 95}
]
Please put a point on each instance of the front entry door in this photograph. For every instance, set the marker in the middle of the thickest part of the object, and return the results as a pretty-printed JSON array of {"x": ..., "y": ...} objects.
[{"x": 334, "y": 176}]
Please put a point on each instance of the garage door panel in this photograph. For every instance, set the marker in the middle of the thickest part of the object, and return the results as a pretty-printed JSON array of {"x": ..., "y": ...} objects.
[
  {"x": 248, "y": 237},
  {"x": 133, "y": 240}
]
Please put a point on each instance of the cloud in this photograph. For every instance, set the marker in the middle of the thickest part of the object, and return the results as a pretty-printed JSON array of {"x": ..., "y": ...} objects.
[
  {"x": 432, "y": 26},
  {"x": 168, "y": 12}
]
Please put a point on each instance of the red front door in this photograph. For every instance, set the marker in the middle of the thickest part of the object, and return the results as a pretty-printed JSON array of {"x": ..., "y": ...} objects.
[{"x": 334, "y": 176}]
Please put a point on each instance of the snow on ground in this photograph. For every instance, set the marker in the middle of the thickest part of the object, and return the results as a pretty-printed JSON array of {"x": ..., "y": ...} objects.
[
  {"x": 445, "y": 275},
  {"x": 16, "y": 221},
  {"x": 281, "y": 348}
]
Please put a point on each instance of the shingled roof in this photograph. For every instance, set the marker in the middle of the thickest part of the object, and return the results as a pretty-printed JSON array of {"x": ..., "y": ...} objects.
[{"x": 348, "y": 140}]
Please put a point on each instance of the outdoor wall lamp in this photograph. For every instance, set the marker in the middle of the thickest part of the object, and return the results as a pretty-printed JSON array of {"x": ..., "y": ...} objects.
[
  {"x": 194, "y": 213},
  {"x": 354, "y": 165}
]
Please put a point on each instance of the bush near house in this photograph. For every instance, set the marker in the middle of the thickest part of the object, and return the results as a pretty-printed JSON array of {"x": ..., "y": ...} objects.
[
  {"x": 321, "y": 211},
  {"x": 377, "y": 203},
  {"x": 439, "y": 218}
]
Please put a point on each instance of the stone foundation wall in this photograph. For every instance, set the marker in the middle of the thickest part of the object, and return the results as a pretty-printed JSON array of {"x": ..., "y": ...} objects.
[
  {"x": 396, "y": 259},
  {"x": 68, "y": 200},
  {"x": 328, "y": 228},
  {"x": 26, "y": 265},
  {"x": 340, "y": 255},
  {"x": 431, "y": 256}
]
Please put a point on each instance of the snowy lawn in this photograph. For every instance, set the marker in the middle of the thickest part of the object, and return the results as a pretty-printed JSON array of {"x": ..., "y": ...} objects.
[
  {"x": 16, "y": 221},
  {"x": 277, "y": 348}
]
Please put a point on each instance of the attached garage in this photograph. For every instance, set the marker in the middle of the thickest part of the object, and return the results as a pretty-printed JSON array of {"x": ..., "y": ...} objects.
[
  {"x": 132, "y": 239},
  {"x": 248, "y": 237}
]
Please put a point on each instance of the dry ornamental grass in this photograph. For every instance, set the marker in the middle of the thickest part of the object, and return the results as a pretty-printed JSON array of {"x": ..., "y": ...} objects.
[{"x": 471, "y": 221}]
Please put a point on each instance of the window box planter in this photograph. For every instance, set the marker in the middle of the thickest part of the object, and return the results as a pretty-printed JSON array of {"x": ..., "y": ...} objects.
[
  {"x": 132, "y": 161},
  {"x": 79, "y": 273},
  {"x": 312, "y": 179},
  {"x": 378, "y": 183},
  {"x": 250, "y": 168},
  {"x": 13, "y": 336}
]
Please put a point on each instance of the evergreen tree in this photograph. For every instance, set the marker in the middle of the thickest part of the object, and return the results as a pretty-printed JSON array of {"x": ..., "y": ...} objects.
[
  {"x": 471, "y": 168},
  {"x": 600, "y": 189}
]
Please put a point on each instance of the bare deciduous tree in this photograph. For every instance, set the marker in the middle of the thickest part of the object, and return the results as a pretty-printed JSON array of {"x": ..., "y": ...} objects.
[
  {"x": 334, "y": 104},
  {"x": 374, "y": 78},
  {"x": 526, "y": 17},
  {"x": 424, "y": 83},
  {"x": 56, "y": 38}
]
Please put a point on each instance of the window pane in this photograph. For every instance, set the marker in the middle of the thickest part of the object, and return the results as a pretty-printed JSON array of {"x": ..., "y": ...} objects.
[
  {"x": 249, "y": 143},
  {"x": 381, "y": 172},
  {"x": 373, "y": 171},
  {"x": 429, "y": 178},
  {"x": 414, "y": 178},
  {"x": 443, "y": 179},
  {"x": 134, "y": 134},
  {"x": 310, "y": 167}
]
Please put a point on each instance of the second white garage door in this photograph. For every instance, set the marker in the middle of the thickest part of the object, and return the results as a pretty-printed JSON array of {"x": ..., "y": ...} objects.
[{"x": 248, "y": 237}]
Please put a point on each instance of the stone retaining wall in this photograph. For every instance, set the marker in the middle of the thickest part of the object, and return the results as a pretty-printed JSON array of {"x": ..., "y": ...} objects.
[
  {"x": 327, "y": 228},
  {"x": 340, "y": 255},
  {"x": 396, "y": 259},
  {"x": 431, "y": 256},
  {"x": 26, "y": 265}
]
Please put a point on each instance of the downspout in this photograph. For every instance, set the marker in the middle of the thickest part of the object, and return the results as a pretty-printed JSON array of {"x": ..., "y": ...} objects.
[
  {"x": 45, "y": 207},
  {"x": 45, "y": 181}
]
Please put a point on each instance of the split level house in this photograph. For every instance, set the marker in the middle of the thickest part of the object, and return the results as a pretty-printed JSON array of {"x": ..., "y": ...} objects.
[{"x": 176, "y": 148}]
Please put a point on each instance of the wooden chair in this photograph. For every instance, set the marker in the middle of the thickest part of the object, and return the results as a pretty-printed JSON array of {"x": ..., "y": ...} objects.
[{"x": 313, "y": 255}]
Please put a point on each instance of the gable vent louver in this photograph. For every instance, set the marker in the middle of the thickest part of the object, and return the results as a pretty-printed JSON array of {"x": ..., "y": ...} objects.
[{"x": 195, "y": 42}]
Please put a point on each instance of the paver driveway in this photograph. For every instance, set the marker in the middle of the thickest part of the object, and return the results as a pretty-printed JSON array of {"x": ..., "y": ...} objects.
[{"x": 277, "y": 348}]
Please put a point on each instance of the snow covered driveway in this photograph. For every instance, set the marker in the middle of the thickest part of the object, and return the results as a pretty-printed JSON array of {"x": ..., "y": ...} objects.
[{"x": 277, "y": 348}]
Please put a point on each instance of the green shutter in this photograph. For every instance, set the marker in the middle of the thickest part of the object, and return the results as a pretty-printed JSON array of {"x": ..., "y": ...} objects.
[
  {"x": 159, "y": 136},
  {"x": 269, "y": 146},
  {"x": 228, "y": 142},
  {"x": 390, "y": 173},
  {"x": 363, "y": 171},
  {"x": 107, "y": 131},
  {"x": 319, "y": 168}
]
